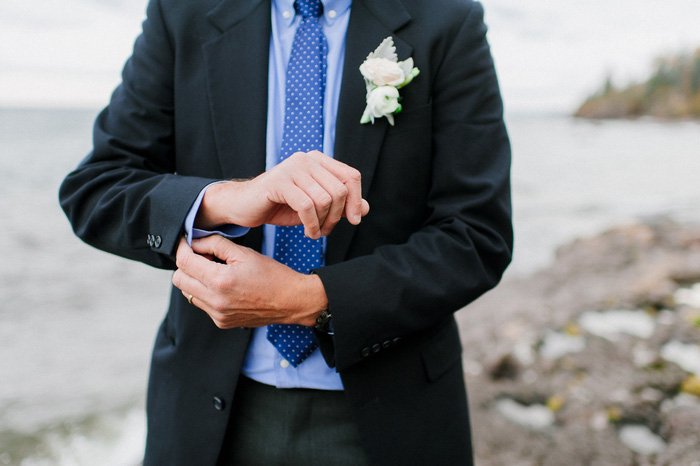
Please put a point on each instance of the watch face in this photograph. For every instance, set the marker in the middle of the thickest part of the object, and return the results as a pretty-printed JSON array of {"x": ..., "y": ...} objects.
[{"x": 323, "y": 321}]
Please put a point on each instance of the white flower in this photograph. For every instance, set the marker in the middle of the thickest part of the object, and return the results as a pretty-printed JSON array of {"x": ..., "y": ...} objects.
[
  {"x": 384, "y": 75},
  {"x": 382, "y": 72},
  {"x": 383, "y": 101}
]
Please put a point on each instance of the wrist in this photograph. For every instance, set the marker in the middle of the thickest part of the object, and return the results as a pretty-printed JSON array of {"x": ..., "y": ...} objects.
[
  {"x": 217, "y": 205},
  {"x": 313, "y": 300}
]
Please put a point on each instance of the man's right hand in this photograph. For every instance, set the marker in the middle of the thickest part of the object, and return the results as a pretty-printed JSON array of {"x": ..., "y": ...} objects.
[{"x": 309, "y": 189}]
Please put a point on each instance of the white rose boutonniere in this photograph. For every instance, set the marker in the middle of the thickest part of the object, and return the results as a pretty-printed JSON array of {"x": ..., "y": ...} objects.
[{"x": 384, "y": 75}]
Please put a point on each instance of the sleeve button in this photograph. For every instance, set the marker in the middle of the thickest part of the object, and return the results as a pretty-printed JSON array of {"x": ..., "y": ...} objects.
[
  {"x": 219, "y": 404},
  {"x": 376, "y": 348},
  {"x": 157, "y": 241},
  {"x": 365, "y": 352},
  {"x": 386, "y": 344}
]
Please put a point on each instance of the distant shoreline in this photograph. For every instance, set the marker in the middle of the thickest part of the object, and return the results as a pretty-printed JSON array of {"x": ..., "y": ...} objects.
[{"x": 672, "y": 92}]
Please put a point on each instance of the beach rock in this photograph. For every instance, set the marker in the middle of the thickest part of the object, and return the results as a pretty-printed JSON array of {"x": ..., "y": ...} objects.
[{"x": 594, "y": 360}]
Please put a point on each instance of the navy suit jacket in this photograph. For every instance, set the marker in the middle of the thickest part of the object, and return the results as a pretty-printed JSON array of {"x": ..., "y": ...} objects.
[{"x": 192, "y": 110}]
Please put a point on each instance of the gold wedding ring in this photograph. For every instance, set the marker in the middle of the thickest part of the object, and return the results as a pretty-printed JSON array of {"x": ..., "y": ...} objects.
[{"x": 189, "y": 299}]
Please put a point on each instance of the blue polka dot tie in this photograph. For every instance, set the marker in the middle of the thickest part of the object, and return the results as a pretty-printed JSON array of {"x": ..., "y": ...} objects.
[{"x": 303, "y": 132}]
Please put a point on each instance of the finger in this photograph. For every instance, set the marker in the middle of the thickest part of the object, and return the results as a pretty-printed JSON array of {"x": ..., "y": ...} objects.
[
  {"x": 196, "y": 266},
  {"x": 323, "y": 199},
  {"x": 210, "y": 300},
  {"x": 365, "y": 207},
  {"x": 305, "y": 208},
  {"x": 189, "y": 286},
  {"x": 231, "y": 317},
  {"x": 337, "y": 193},
  {"x": 182, "y": 249},
  {"x": 218, "y": 318},
  {"x": 352, "y": 179},
  {"x": 190, "y": 298}
]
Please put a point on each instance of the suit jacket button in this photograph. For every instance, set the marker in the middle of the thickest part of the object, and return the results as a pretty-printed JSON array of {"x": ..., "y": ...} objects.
[
  {"x": 376, "y": 348},
  {"x": 157, "y": 241},
  {"x": 219, "y": 404},
  {"x": 365, "y": 352}
]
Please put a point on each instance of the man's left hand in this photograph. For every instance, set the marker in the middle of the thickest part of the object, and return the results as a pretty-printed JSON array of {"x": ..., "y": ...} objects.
[{"x": 248, "y": 289}]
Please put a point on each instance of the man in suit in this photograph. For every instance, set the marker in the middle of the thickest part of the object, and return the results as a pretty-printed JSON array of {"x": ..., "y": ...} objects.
[{"x": 200, "y": 103}]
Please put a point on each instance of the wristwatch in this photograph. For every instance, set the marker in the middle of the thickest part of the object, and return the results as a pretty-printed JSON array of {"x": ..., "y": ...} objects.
[{"x": 323, "y": 322}]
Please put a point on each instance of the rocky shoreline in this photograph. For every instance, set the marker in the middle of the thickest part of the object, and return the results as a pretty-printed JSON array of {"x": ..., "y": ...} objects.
[{"x": 594, "y": 360}]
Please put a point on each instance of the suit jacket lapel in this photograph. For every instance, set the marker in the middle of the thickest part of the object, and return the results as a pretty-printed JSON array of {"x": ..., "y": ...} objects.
[
  {"x": 370, "y": 23},
  {"x": 355, "y": 144},
  {"x": 237, "y": 68}
]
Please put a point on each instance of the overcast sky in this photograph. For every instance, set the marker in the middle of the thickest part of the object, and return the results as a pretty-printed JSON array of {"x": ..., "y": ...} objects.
[{"x": 549, "y": 54}]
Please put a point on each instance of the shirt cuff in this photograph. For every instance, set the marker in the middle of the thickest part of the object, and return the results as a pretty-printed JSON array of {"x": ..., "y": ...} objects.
[{"x": 227, "y": 231}]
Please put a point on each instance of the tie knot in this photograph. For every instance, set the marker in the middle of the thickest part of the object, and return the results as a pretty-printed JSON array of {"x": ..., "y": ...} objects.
[{"x": 308, "y": 8}]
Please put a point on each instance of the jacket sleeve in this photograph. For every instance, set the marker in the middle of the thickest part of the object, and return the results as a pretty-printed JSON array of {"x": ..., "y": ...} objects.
[
  {"x": 464, "y": 245},
  {"x": 125, "y": 197}
]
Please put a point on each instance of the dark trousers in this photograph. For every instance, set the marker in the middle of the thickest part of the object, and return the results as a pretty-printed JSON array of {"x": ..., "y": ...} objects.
[{"x": 270, "y": 426}]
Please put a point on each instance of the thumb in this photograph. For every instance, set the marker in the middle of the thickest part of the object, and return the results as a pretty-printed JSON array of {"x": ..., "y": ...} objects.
[{"x": 220, "y": 248}]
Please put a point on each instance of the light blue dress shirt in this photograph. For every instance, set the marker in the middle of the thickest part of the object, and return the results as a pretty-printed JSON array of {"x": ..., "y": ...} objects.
[{"x": 263, "y": 362}]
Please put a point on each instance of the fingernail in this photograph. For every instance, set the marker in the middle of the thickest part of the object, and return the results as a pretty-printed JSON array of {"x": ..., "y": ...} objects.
[{"x": 358, "y": 219}]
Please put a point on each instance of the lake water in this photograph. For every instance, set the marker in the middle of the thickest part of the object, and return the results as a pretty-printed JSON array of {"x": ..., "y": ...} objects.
[{"x": 77, "y": 324}]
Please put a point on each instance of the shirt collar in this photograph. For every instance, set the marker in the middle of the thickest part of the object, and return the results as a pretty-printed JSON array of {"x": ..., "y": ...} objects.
[{"x": 331, "y": 9}]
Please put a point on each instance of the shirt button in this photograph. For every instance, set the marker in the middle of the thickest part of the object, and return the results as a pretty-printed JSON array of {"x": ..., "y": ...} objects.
[
  {"x": 286, "y": 14},
  {"x": 284, "y": 363},
  {"x": 332, "y": 14}
]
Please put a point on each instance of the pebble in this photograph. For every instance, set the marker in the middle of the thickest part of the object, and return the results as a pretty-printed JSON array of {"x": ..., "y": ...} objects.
[
  {"x": 640, "y": 439},
  {"x": 611, "y": 323},
  {"x": 687, "y": 356},
  {"x": 536, "y": 417},
  {"x": 688, "y": 296},
  {"x": 556, "y": 345}
]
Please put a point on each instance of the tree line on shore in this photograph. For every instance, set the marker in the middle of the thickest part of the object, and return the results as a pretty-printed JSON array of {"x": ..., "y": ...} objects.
[{"x": 671, "y": 92}]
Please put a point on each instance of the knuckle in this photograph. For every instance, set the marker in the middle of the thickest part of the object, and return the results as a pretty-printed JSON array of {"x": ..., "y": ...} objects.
[
  {"x": 219, "y": 323},
  {"x": 181, "y": 261},
  {"x": 219, "y": 307},
  {"x": 306, "y": 205},
  {"x": 219, "y": 283},
  {"x": 341, "y": 191},
  {"x": 353, "y": 175},
  {"x": 325, "y": 200}
]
